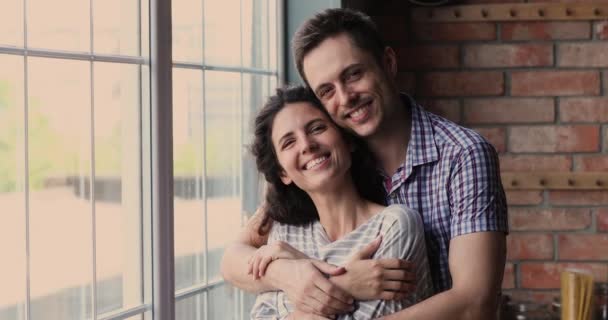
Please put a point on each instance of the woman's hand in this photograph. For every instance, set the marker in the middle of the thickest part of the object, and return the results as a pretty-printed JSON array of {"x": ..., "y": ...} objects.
[
  {"x": 386, "y": 279},
  {"x": 263, "y": 256}
]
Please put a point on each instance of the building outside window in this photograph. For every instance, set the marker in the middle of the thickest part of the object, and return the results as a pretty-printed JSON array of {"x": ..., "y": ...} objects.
[{"x": 75, "y": 153}]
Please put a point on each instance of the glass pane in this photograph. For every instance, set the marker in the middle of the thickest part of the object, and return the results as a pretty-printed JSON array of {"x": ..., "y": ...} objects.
[
  {"x": 223, "y": 303},
  {"x": 50, "y": 28},
  {"x": 59, "y": 177},
  {"x": 255, "y": 93},
  {"x": 12, "y": 196},
  {"x": 144, "y": 15},
  {"x": 273, "y": 34},
  {"x": 11, "y": 23},
  {"x": 189, "y": 207},
  {"x": 191, "y": 308},
  {"x": 222, "y": 32},
  {"x": 115, "y": 26},
  {"x": 117, "y": 186},
  {"x": 224, "y": 149},
  {"x": 145, "y": 316},
  {"x": 188, "y": 30},
  {"x": 255, "y": 34}
]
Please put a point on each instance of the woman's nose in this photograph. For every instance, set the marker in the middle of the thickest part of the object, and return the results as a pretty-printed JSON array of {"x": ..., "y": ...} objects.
[{"x": 309, "y": 145}]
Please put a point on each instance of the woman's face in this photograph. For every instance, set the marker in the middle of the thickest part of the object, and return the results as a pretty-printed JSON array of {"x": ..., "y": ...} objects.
[{"x": 310, "y": 148}]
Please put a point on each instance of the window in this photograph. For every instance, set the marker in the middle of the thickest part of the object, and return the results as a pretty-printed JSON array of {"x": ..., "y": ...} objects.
[{"x": 75, "y": 159}]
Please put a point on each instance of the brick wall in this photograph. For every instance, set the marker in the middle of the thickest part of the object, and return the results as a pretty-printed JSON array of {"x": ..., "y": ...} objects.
[{"x": 539, "y": 92}]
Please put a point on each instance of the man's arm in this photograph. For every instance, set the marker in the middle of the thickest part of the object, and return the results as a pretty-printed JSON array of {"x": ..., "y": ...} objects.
[{"x": 476, "y": 263}]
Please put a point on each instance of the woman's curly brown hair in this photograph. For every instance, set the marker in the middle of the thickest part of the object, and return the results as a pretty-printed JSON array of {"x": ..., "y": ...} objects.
[{"x": 288, "y": 203}]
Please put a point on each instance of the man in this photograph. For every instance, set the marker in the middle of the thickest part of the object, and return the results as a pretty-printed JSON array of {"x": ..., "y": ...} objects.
[{"x": 448, "y": 173}]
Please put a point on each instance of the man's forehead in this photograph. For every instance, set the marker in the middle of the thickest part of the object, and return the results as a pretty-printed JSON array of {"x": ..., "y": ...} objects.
[{"x": 329, "y": 58}]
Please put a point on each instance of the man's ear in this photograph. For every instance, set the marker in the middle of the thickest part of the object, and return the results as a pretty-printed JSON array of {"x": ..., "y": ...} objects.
[
  {"x": 286, "y": 180},
  {"x": 390, "y": 62}
]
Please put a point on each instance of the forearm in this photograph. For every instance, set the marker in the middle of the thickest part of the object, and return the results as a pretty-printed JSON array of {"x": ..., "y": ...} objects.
[
  {"x": 234, "y": 268},
  {"x": 450, "y": 304}
]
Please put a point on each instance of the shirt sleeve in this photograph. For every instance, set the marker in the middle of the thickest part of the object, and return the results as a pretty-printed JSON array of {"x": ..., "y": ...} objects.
[
  {"x": 477, "y": 199},
  {"x": 402, "y": 238}
]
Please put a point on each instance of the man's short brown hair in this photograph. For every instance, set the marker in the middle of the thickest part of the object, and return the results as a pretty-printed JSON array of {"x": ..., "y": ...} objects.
[{"x": 332, "y": 22}]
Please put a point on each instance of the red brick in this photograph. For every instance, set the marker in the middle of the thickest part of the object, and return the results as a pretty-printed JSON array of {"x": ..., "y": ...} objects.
[
  {"x": 428, "y": 57},
  {"x": 515, "y": 197},
  {"x": 583, "y": 138},
  {"x": 583, "y": 246},
  {"x": 523, "y": 246},
  {"x": 508, "y": 279},
  {"x": 549, "y": 219},
  {"x": 605, "y": 146},
  {"x": 602, "y": 219},
  {"x": 463, "y": 83},
  {"x": 508, "y": 110},
  {"x": 447, "y": 108},
  {"x": 555, "y": 83},
  {"x": 406, "y": 82},
  {"x": 591, "y": 163},
  {"x": 496, "y": 136},
  {"x": 546, "y": 31},
  {"x": 508, "y": 55},
  {"x": 574, "y": 198},
  {"x": 547, "y": 275},
  {"x": 592, "y": 109},
  {"x": 454, "y": 31},
  {"x": 601, "y": 30},
  {"x": 593, "y": 54},
  {"x": 392, "y": 28},
  {"x": 525, "y": 163}
]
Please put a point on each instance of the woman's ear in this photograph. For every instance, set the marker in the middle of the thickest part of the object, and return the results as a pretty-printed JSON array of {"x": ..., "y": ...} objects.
[{"x": 286, "y": 180}]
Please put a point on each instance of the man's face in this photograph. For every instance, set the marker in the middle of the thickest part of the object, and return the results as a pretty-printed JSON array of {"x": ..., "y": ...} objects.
[{"x": 350, "y": 83}]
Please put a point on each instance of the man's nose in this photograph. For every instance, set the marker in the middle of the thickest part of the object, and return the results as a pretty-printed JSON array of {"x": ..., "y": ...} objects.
[{"x": 345, "y": 95}]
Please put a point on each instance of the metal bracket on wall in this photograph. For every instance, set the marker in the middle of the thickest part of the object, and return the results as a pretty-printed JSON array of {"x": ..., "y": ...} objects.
[
  {"x": 555, "y": 180},
  {"x": 512, "y": 12}
]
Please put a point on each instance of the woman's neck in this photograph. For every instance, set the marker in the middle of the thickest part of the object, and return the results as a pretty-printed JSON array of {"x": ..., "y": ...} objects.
[{"x": 341, "y": 210}]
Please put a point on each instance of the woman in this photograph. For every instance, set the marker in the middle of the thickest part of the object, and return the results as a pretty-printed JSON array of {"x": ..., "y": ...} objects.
[{"x": 324, "y": 201}]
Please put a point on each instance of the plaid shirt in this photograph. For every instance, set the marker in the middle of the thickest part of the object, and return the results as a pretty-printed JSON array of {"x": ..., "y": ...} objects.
[{"x": 451, "y": 176}]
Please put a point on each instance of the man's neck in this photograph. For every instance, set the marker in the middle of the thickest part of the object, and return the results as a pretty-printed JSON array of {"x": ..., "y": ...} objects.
[{"x": 390, "y": 143}]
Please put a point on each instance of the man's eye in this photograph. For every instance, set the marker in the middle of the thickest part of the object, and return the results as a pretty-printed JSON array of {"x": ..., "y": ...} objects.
[
  {"x": 354, "y": 75},
  {"x": 325, "y": 93}
]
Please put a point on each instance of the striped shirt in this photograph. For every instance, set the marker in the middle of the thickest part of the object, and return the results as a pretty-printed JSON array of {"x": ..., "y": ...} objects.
[
  {"x": 451, "y": 176},
  {"x": 402, "y": 237}
]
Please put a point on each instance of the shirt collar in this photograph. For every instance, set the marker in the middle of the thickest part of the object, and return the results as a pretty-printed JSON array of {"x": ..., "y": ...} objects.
[{"x": 421, "y": 148}]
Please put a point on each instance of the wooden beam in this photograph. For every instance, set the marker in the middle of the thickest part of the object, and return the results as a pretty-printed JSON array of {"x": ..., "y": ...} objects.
[
  {"x": 555, "y": 180},
  {"x": 512, "y": 12}
]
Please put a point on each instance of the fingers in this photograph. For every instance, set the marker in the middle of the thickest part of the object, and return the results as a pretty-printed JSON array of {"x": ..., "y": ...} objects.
[
  {"x": 340, "y": 299},
  {"x": 399, "y": 275},
  {"x": 368, "y": 250},
  {"x": 263, "y": 265},
  {"x": 398, "y": 286},
  {"x": 396, "y": 264},
  {"x": 327, "y": 268}
]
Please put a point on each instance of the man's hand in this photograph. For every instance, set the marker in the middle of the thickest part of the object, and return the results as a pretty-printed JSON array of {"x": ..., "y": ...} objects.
[
  {"x": 310, "y": 291},
  {"x": 386, "y": 279},
  {"x": 267, "y": 253}
]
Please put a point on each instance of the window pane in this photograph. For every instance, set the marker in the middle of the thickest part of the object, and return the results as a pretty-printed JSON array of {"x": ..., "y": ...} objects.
[
  {"x": 59, "y": 174},
  {"x": 189, "y": 207},
  {"x": 223, "y": 161},
  {"x": 222, "y": 32},
  {"x": 12, "y": 196},
  {"x": 117, "y": 186},
  {"x": 11, "y": 23},
  {"x": 187, "y": 30},
  {"x": 191, "y": 308},
  {"x": 273, "y": 34},
  {"x": 50, "y": 29},
  {"x": 255, "y": 34},
  {"x": 223, "y": 303},
  {"x": 115, "y": 26}
]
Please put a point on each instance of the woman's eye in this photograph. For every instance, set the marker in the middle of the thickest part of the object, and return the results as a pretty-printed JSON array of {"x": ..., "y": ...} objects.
[
  {"x": 317, "y": 129},
  {"x": 287, "y": 144}
]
